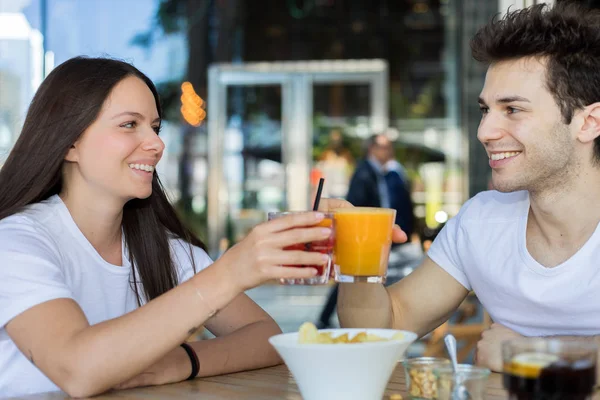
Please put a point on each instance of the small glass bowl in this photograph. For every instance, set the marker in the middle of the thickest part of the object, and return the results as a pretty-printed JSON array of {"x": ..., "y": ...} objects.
[
  {"x": 472, "y": 378},
  {"x": 421, "y": 382}
]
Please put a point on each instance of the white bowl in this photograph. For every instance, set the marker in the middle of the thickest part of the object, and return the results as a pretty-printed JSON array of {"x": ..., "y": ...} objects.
[{"x": 354, "y": 371}]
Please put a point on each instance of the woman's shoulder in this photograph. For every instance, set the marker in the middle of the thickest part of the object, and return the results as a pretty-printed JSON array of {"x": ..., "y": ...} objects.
[
  {"x": 31, "y": 230},
  {"x": 33, "y": 215},
  {"x": 31, "y": 218}
]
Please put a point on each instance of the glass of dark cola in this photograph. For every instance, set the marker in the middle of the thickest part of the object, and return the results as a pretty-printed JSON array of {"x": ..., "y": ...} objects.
[{"x": 549, "y": 369}]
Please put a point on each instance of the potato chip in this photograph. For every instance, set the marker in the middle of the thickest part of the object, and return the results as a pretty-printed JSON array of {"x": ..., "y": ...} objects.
[
  {"x": 342, "y": 339},
  {"x": 359, "y": 338},
  {"x": 324, "y": 338},
  {"x": 309, "y": 334},
  {"x": 371, "y": 337}
]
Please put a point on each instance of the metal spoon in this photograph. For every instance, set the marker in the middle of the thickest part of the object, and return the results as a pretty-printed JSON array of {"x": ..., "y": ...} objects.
[{"x": 460, "y": 391}]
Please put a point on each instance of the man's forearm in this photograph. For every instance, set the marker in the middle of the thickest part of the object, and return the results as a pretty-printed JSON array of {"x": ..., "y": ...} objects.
[
  {"x": 244, "y": 349},
  {"x": 364, "y": 305},
  {"x": 591, "y": 339}
]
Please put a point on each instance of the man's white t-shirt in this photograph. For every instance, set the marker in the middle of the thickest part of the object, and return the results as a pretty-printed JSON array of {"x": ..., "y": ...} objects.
[
  {"x": 44, "y": 256},
  {"x": 484, "y": 248}
]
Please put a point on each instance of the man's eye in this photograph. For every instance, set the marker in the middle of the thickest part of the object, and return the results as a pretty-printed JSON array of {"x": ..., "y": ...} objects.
[
  {"x": 129, "y": 125},
  {"x": 484, "y": 110},
  {"x": 512, "y": 110}
]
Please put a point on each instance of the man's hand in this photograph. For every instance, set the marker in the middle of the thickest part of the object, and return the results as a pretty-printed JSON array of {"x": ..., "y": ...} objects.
[
  {"x": 489, "y": 348},
  {"x": 398, "y": 235},
  {"x": 331, "y": 204}
]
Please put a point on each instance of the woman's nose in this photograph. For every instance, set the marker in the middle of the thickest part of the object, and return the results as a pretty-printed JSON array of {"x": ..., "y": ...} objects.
[{"x": 154, "y": 143}]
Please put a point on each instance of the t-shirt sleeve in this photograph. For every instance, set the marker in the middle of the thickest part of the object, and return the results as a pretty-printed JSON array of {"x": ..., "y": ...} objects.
[
  {"x": 183, "y": 261},
  {"x": 30, "y": 270},
  {"x": 446, "y": 249}
]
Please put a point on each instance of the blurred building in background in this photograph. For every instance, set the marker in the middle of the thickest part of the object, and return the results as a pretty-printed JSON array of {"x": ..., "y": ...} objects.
[
  {"x": 21, "y": 54},
  {"x": 430, "y": 93},
  {"x": 262, "y": 98}
]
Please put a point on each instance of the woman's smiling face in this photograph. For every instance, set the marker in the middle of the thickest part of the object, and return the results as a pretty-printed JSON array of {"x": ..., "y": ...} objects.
[{"x": 117, "y": 154}]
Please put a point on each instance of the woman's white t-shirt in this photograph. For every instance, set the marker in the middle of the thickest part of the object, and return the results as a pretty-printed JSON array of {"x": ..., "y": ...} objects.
[
  {"x": 484, "y": 248},
  {"x": 44, "y": 256}
]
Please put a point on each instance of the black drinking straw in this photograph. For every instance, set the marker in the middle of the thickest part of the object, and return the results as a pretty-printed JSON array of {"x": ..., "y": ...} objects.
[
  {"x": 316, "y": 206},
  {"x": 318, "y": 197}
]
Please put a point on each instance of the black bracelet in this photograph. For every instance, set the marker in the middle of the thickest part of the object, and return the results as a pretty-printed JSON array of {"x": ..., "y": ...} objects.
[{"x": 193, "y": 359}]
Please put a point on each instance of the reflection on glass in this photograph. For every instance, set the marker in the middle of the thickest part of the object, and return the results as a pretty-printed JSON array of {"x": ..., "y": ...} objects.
[{"x": 254, "y": 174}]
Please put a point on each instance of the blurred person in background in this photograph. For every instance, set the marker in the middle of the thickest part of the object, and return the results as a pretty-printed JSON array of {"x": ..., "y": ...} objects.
[
  {"x": 404, "y": 257},
  {"x": 399, "y": 192},
  {"x": 529, "y": 249},
  {"x": 368, "y": 187},
  {"x": 100, "y": 282},
  {"x": 378, "y": 181},
  {"x": 335, "y": 165}
]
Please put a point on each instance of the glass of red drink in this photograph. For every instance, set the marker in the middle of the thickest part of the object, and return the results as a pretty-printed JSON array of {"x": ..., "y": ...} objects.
[
  {"x": 322, "y": 246},
  {"x": 549, "y": 369}
]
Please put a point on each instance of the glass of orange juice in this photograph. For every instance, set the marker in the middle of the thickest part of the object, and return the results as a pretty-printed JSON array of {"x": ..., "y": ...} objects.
[{"x": 362, "y": 243}]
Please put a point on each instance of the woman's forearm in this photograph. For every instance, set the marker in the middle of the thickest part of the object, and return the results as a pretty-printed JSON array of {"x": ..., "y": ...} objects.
[
  {"x": 247, "y": 348},
  {"x": 113, "y": 351}
]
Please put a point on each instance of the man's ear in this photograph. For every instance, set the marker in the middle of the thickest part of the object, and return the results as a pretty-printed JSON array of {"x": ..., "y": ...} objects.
[
  {"x": 590, "y": 129},
  {"x": 73, "y": 153}
]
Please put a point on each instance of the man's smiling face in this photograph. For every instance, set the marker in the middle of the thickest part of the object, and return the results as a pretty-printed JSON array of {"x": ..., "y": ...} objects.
[{"x": 521, "y": 128}]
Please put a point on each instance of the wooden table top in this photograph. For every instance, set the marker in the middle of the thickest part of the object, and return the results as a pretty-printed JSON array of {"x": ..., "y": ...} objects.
[{"x": 264, "y": 384}]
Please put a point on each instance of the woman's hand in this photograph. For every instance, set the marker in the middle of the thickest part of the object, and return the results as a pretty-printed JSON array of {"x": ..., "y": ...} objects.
[
  {"x": 259, "y": 257},
  {"x": 398, "y": 235},
  {"x": 175, "y": 366}
]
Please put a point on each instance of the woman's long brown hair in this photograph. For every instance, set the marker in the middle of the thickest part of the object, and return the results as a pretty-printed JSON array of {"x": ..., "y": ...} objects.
[{"x": 66, "y": 104}]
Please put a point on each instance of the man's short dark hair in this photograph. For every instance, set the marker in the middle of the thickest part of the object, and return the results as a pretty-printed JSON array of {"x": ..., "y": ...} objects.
[
  {"x": 567, "y": 36},
  {"x": 372, "y": 141}
]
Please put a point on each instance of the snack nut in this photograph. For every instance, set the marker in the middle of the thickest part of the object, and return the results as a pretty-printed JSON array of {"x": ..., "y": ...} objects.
[{"x": 420, "y": 380}]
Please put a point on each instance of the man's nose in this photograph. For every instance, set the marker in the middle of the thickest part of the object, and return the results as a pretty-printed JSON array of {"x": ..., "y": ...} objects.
[{"x": 490, "y": 128}]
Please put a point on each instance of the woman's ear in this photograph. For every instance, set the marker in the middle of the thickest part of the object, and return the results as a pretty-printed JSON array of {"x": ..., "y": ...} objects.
[
  {"x": 73, "y": 153},
  {"x": 590, "y": 129}
]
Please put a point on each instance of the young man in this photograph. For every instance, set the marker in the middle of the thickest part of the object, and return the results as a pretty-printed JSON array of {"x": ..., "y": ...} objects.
[{"x": 529, "y": 249}]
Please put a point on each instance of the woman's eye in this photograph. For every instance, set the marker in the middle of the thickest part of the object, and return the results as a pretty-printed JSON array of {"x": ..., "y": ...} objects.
[
  {"x": 129, "y": 125},
  {"x": 156, "y": 129},
  {"x": 511, "y": 110},
  {"x": 484, "y": 110}
]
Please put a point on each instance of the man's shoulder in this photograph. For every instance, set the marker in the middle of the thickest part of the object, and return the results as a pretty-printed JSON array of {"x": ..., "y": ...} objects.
[
  {"x": 364, "y": 170},
  {"x": 493, "y": 205},
  {"x": 364, "y": 165}
]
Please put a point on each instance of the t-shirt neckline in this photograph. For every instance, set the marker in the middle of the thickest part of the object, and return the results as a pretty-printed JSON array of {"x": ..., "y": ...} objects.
[
  {"x": 532, "y": 263},
  {"x": 79, "y": 236}
]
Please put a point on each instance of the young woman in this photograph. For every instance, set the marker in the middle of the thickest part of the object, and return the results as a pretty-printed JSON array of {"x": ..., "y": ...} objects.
[{"x": 100, "y": 283}]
